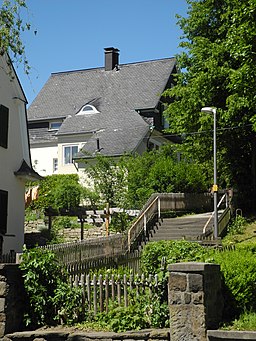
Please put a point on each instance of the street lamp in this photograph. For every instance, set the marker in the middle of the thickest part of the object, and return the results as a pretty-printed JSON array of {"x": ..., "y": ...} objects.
[{"x": 213, "y": 111}]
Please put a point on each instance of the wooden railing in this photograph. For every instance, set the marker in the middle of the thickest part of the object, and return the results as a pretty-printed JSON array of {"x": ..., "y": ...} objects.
[
  {"x": 160, "y": 203},
  {"x": 93, "y": 253}
]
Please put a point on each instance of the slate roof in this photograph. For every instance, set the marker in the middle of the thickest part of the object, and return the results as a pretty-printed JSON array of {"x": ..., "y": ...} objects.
[{"x": 116, "y": 94}]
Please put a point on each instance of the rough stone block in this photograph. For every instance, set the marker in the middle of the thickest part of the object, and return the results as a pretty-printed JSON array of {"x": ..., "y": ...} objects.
[
  {"x": 187, "y": 297},
  {"x": 3, "y": 288},
  {"x": 195, "y": 282},
  {"x": 2, "y": 305},
  {"x": 187, "y": 324},
  {"x": 198, "y": 298},
  {"x": 178, "y": 281},
  {"x": 175, "y": 297},
  {"x": 2, "y": 329},
  {"x": 2, "y": 317}
]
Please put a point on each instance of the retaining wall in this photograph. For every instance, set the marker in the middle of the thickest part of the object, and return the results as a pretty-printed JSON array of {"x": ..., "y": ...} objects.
[
  {"x": 65, "y": 335},
  {"x": 12, "y": 299}
]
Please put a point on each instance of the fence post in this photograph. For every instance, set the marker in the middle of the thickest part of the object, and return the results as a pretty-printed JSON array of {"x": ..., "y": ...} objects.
[
  {"x": 159, "y": 208},
  {"x": 195, "y": 300}
]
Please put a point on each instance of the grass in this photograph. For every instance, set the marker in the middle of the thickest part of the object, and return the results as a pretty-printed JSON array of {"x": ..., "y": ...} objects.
[
  {"x": 246, "y": 321},
  {"x": 242, "y": 232}
]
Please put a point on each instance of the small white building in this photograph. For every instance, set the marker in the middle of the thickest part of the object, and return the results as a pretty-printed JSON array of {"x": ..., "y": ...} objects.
[{"x": 15, "y": 166}]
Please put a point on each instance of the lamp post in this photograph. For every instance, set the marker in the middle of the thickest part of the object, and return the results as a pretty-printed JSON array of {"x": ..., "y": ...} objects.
[{"x": 213, "y": 111}]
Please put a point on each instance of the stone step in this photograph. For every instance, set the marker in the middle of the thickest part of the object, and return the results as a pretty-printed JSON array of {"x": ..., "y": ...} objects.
[{"x": 179, "y": 228}]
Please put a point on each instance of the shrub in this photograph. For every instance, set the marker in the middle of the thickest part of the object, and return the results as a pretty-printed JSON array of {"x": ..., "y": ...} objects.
[
  {"x": 49, "y": 297},
  {"x": 119, "y": 222},
  {"x": 237, "y": 225},
  {"x": 60, "y": 191},
  {"x": 172, "y": 251},
  {"x": 239, "y": 274}
]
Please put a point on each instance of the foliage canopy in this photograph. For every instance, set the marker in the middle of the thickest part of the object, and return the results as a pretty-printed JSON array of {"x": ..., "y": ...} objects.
[
  {"x": 12, "y": 25},
  {"x": 217, "y": 68},
  {"x": 129, "y": 181}
]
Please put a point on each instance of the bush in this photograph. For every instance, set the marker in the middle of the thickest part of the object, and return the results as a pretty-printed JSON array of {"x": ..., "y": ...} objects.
[
  {"x": 119, "y": 222},
  {"x": 237, "y": 225},
  {"x": 61, "y": 191},
  {"x": 172, "y": 252},
  {"x": 238, "y": 268},
  {"x": 49, "y": 297}
]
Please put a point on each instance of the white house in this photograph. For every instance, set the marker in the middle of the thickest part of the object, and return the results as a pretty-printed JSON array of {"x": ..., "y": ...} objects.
[
  {"x": 15, "y": 158},
  {"x": 113, "y": 110}
]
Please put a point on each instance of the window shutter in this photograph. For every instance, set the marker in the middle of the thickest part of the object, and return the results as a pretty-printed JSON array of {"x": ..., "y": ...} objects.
[
  {"x": 3, "y": 211},
  {"x": 4, "y": 125}
]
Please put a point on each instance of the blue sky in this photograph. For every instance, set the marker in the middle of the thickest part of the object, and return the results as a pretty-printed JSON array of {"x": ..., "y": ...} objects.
[{"x": 72, "y": 35}]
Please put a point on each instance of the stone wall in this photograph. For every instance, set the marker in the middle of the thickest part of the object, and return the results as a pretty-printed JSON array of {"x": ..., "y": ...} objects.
[
  {"x": 12, "y": 298},
  {"x": 224, "y": 335},
  {"x": 67, "y": 335},
  {"x": 195, "y": 300}
]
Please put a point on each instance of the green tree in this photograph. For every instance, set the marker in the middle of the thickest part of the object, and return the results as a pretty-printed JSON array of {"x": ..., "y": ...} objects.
[
  {"x": 160, "y": 171},
  {"x": 60, "y": 191},
  {"x": 218, "y": 69},
  {"x": 109, "y": 179},
  {"x": 12, "y": 25}
]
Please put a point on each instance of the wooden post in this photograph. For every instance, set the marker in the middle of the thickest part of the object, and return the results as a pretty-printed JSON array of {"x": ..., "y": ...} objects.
[
  {"x": 82, "y": 227},
  {"x": 107, "y": 291},
  {"x": 95, "y": 294},
  {"x": 107, "y": 220},
  {"x": 50, "y": 222}
]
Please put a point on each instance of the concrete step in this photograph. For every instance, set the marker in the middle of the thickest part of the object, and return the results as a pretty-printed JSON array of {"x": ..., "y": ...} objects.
[{"x": 180, "y": 228}]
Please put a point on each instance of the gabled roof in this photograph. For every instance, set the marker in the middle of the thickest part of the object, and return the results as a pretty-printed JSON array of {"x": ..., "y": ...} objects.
[{"x": 116, "y": 94}]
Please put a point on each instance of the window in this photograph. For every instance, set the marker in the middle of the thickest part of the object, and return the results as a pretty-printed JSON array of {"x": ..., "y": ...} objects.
[
  {"x": 69, "y": 153},
  {"x": 3, "y": 211},
  {"x": 55, "y": 165},
  {"x": 4, "y": 124},
  {"x": 88, "y": 109},
  {"x": 54, "y": 125}
]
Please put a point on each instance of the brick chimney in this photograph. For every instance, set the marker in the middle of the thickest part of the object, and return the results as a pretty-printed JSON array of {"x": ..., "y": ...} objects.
[{"x": 111, "y": 58}]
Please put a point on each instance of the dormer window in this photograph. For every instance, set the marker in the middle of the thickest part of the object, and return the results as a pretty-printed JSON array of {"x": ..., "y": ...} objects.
[
  {"x": 88, "y": 109},
  {"x": 54, "y": 125}
]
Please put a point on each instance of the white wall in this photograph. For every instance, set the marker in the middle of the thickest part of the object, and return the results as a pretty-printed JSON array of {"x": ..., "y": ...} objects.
[
  {"x": 42, "y": 159},
  {"x": 11, "y": 159}
]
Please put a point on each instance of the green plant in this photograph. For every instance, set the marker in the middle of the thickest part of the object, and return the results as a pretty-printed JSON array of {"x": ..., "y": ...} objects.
[
  {"x": 120, "y": 319},
  {"x": 246, "y": 321},
  {"x": 237, "y": 225},
  {"x": 69, "y": 301},
  {"x": 239, "y": 275},
  {"x": 119, "y": 222},
  {"x": 12, "y": 24},
  {"x": 62, "y": 222},
  {"x": 172, "y": 251},
  {"x": 59, "y": 191},
  {"x": 42, "y": 275}
]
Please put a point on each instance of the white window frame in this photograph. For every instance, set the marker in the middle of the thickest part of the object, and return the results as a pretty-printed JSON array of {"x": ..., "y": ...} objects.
[
  {"x": 55, "y": 165},
  {"x": 71, "y": 155}
]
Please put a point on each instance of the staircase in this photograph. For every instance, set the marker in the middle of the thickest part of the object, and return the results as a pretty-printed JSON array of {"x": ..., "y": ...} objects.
[{"x": 186, "y": 227}]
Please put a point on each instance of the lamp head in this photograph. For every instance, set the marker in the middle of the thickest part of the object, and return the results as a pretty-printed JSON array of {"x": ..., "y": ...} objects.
[{"x": 208, "y": 109}]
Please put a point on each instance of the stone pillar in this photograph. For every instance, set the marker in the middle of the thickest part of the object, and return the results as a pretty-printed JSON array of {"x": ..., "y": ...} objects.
[
  {"x": 195, "y": 300},
  {"x": 12, "y": 298}
]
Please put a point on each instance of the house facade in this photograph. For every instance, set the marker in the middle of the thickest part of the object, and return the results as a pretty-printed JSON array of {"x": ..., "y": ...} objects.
[
  {"x": 15, "y": 158},
  {"x": 112, "y": 110}
]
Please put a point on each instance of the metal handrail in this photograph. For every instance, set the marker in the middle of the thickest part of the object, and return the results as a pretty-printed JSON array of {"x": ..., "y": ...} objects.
[{"x": 220, "y": 202}]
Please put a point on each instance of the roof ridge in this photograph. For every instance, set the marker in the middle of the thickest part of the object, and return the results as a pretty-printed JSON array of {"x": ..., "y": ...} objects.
[{"x": 121, "y": 65}]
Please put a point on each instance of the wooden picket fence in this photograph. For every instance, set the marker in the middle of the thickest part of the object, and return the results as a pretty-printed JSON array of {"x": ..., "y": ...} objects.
[
  {"x": 128, "y": 260},
  {"x": 99, "y": 291}
]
